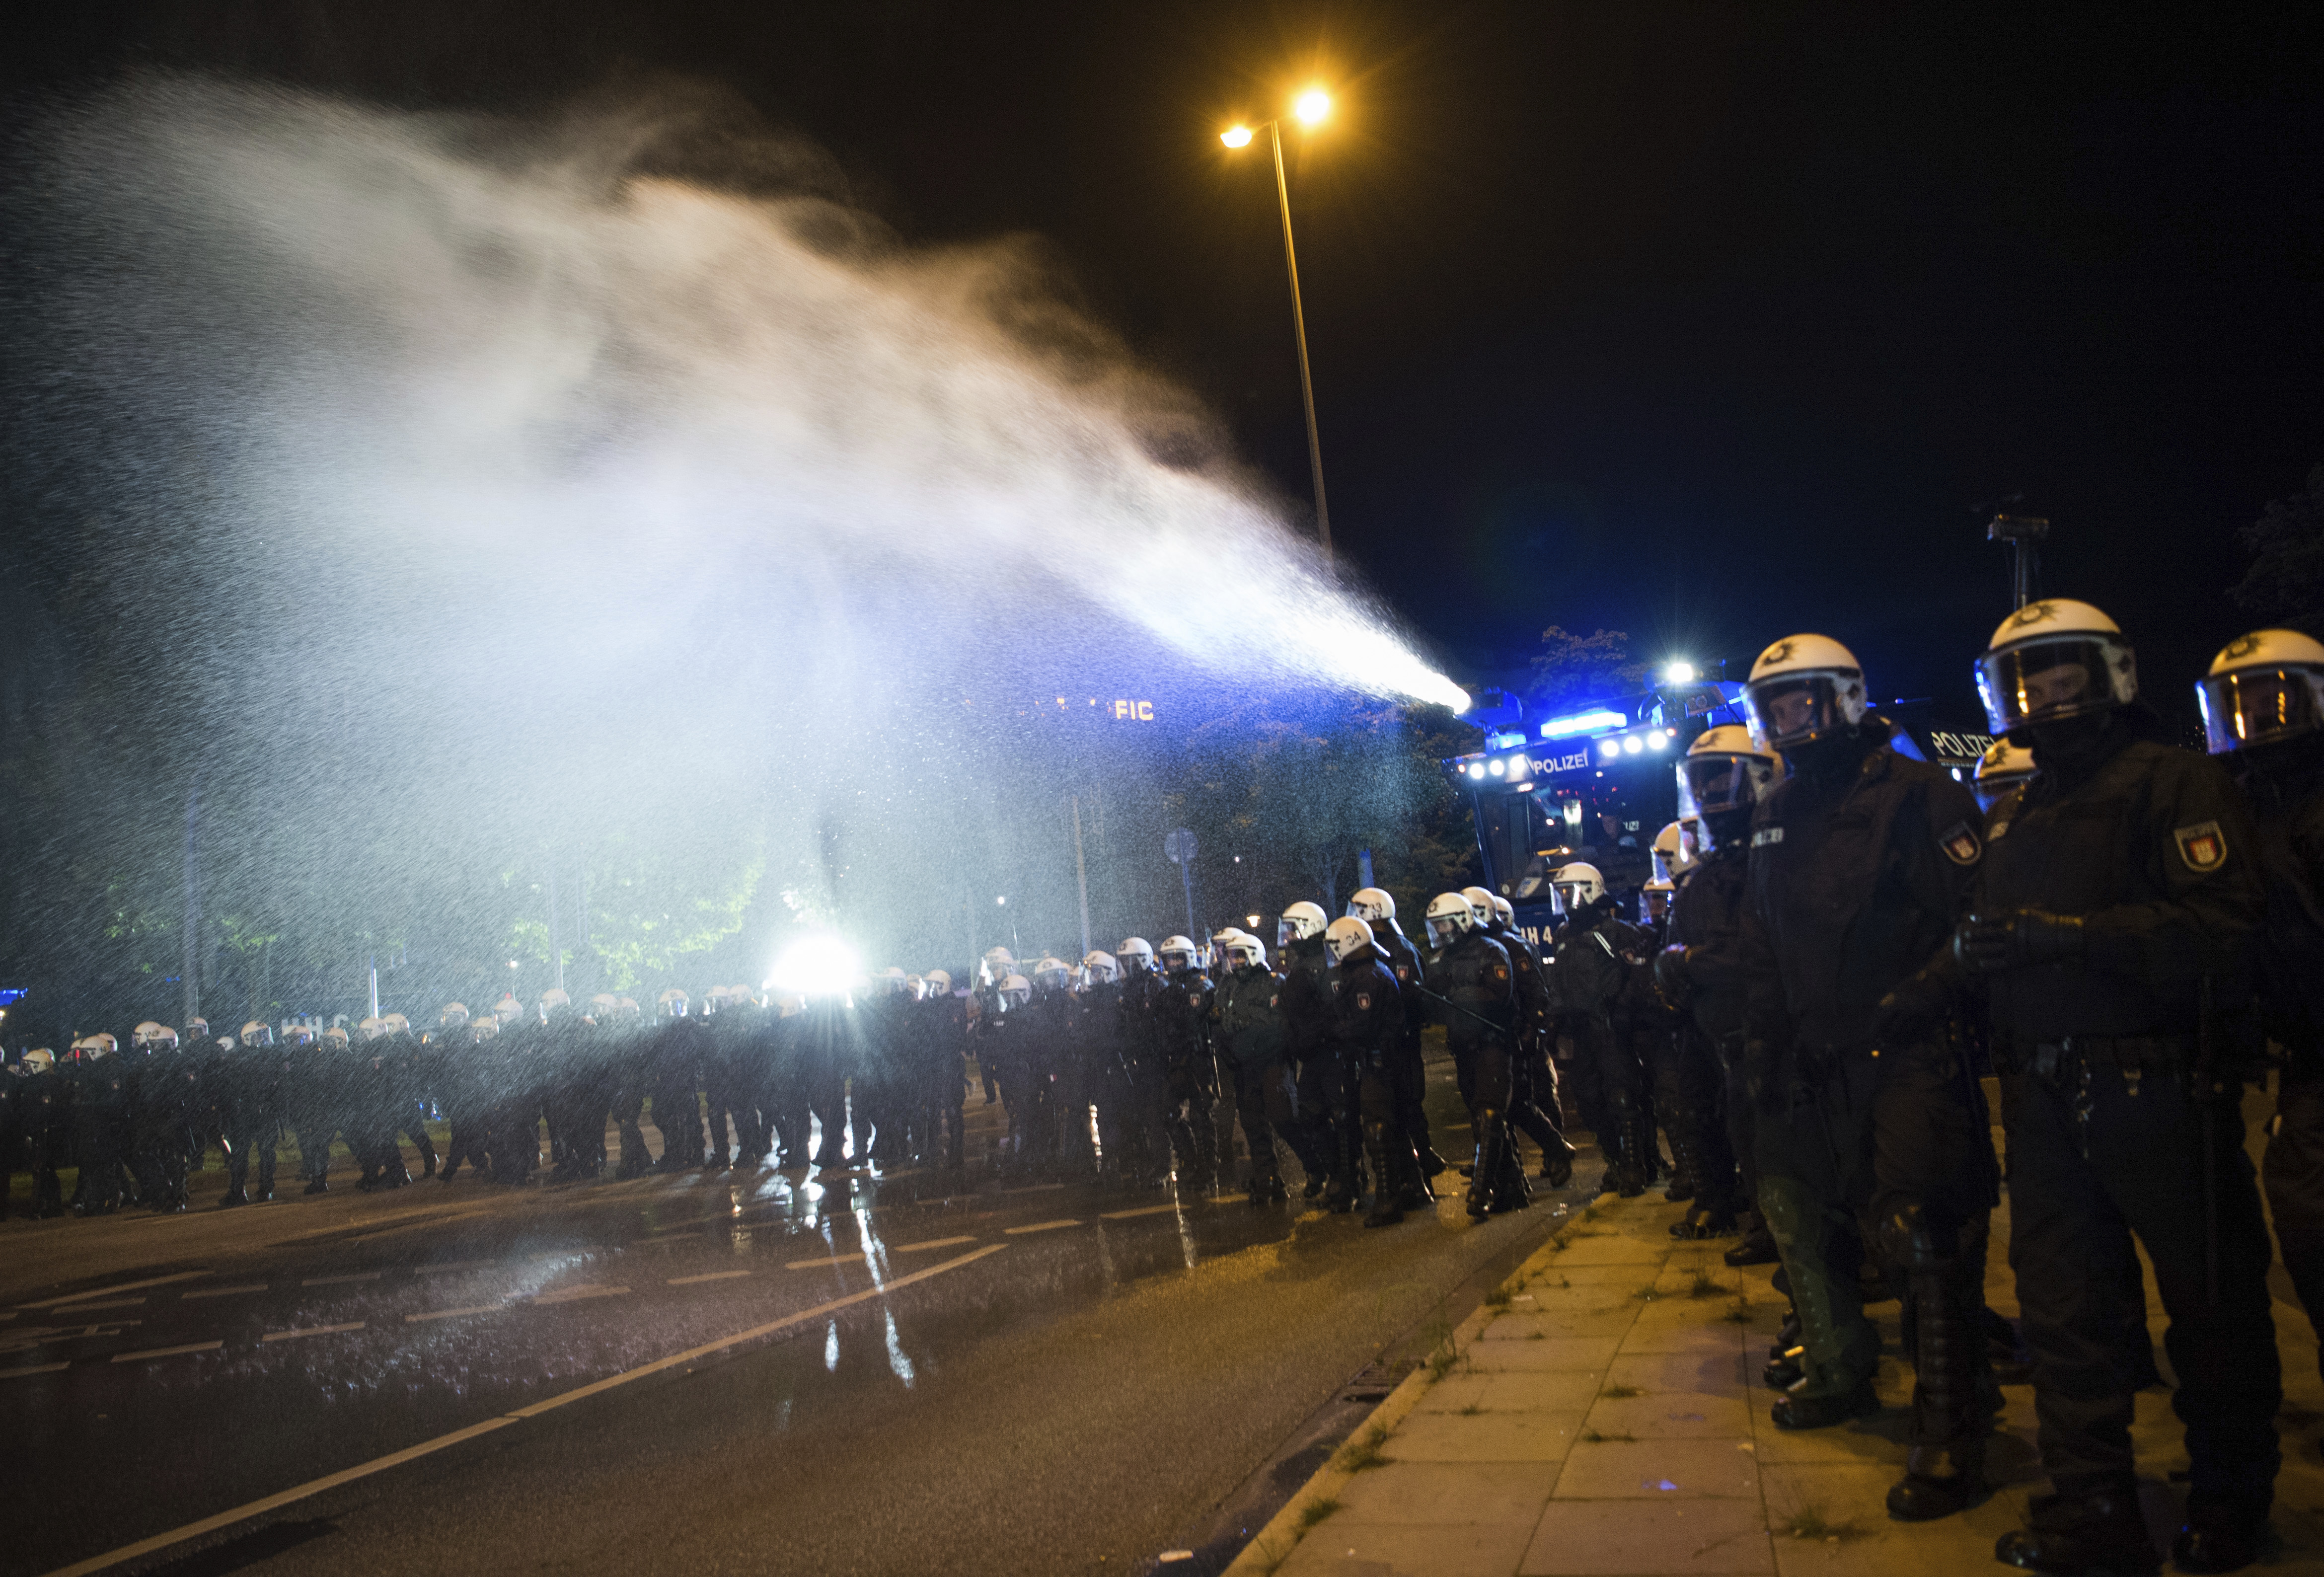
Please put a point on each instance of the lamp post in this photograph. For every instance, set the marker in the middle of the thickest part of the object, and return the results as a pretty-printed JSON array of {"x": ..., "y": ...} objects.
[{"x": 1310, "y": 108}]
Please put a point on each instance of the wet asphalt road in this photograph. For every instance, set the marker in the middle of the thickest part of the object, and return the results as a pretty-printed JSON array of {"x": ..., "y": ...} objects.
[{"x": 935, "y": 1375}]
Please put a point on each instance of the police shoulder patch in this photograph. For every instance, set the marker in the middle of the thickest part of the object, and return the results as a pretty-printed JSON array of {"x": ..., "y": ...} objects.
[
  {"x": 1766, "y": 835},
  {"x": 2203, "y": 846},
  {"x": 1994, "y": 832},
  {"x": 1961, "y": 844},
  {"x": 1363, "y": 1001},
  {"x": 1402, "y": 973},
  {"x": 1500, "y": 971}
]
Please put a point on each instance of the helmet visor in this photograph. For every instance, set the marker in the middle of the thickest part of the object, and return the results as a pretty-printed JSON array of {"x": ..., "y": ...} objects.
[
  {"x": 1710, "y": 784},
  {"x": 1790, "y": 709},
  {"x": 2258, "y": 706},
  {"x": 2043, "y": 682}
]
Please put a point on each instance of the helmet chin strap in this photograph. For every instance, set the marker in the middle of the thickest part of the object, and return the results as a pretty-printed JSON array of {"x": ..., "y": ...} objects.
[{"x": 2060, "y": 746}]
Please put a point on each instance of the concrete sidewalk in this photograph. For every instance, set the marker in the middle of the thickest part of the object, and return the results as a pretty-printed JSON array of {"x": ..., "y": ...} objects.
[{"x": 1603, "y": 1415}]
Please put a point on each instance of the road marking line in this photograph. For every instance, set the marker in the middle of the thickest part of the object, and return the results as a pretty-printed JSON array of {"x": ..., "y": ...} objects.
[
  {"x": 1141, "y": 1210},
  {"x": 834, "y": 1259},
  {"x": 309, "y": 1331},
  {"x": 454, "y": 1265},
  {"x": 574, "y": 1294},
  {"x": 453, "y": 1314},
  {"x": 336, "y": 1280},
  {"x": 35, "y": 1369},
  {"x": 168, "y": 1352},
  {"x": 50, "y": 1303},
  {"x": 313, "y": 1487},
  {"x": 1038, "y": 1226},
  {"x": 118, "y": 1303},
  {"x": 712, "y": 1276},
  {"x": 220, "y": 1291},
  {"x": 931, "y": 1243},
  {"x": 414, "y": 1221}
]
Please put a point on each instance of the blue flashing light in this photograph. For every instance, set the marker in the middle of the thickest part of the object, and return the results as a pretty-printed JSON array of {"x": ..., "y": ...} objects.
[
  {"x": 1581, "y": 723},
  {"x": 11, "y": 995},
  {"x": 1501, "y": 741}
]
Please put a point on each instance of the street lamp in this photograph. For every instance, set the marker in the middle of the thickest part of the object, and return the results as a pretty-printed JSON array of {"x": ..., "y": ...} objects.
[{"x": 1309, "y": 109}]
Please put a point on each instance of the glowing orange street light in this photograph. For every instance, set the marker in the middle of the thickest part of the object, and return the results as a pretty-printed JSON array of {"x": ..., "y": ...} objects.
[{"x": 1310, "y": 108}]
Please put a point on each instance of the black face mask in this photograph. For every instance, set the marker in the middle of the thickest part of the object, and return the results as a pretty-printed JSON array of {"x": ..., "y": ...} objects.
[{"x": 2069, "y": 741}]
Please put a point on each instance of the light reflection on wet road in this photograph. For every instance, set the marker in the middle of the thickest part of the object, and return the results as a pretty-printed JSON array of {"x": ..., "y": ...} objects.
[{"x": 1092, "y": 1369}]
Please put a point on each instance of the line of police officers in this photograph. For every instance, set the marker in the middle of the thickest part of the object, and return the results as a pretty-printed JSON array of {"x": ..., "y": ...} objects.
[{"x": 2126, "y": 932}]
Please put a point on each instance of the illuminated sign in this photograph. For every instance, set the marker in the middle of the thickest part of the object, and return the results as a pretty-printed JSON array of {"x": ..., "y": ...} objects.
[
  {"x": 1962, "y": 747},
  {"x": 1134, "y": 711},
  {"x": 1582, "y": 723}
]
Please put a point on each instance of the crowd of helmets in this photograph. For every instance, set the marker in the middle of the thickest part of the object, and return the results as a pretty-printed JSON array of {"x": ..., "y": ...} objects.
[{"x": 1132, "y": 1067}]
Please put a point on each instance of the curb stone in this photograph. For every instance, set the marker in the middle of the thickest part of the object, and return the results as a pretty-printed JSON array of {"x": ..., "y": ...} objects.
[{"x": 1272, "y": 1544}]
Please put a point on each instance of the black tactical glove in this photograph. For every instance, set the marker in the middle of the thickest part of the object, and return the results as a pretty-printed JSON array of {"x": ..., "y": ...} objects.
[
  {"x": 1910, "y": 1012},
  {"x": 1670, "y": 979},
  {"x": 2021, "y": 939}
]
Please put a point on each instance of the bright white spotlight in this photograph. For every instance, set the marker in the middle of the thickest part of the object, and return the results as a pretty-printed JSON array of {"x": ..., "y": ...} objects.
[
  {"x": 1680, "y": 673},
  {"x": 1496, "y": 768},
  {"x": 1236, "y": 137},
  {"x": 1609, "y": 750},
  {"x": 1632, "y": 745},
  {"x": 1312, "y": 107},
  {"x": 1476, "y": 768},
  {"x": 817, "y": 966},
  {"x": 1657, "y": 739}
]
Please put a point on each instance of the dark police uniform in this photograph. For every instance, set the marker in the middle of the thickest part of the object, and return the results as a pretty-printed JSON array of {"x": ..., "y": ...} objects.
[
  {"x": 1701, "y": 969},
  {"x": 1588, "y": 973},
  {"x": 1860, "y": 864},
  {"x": 1534, "y": 1106},
  {"x": 2124, "y": 1119},
  {"x": 1249, "y": 1013},
  {"x": 1478, "y": 1008},
  {"x": 1367, "y": 1019},
  {"x": 1190, "y": 1075}
]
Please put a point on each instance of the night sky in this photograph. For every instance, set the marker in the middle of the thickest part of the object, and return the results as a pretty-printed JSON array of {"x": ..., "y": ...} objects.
[{"x": 1708, "y": 323}]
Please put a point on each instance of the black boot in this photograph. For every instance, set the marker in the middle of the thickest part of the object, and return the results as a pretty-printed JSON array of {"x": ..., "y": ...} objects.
[
  {"x": 1385, "y": 1212},
  {"x": 1683, "y": 1185},
  {"x": 2096, "y": 1534},
  {"x": 1628, "y": 1180},
  {"x": 1491, "y": 1137},
  {"x": 1757, "y": 1248},
  {"x": 1557, "y": 1163},
  {"x": 2218, "y": 1536}
]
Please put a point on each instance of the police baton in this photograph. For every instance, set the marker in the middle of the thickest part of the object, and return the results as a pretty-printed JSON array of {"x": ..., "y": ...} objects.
[{"x": 1457, "y": 1008}]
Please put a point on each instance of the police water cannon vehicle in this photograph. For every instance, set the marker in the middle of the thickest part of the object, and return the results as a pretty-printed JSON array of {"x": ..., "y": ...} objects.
[{"x": 1595, "y": 783}]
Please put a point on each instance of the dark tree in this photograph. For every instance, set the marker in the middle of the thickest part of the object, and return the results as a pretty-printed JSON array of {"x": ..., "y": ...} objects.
[{"x": 2285, "y": 582}]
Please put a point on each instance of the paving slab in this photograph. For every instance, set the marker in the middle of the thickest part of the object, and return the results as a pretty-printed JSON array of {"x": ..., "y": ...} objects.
[
  {"x": 1545, "y": 1391},
  {"x": 1410, "y": 1492},
  {"x": 1342, "y": 1547},
  {"x": 1610, "y": 1539},
  {"x": 1484, "y": 1437},
  {"x": 1592, "y": 1354},
  {"x": 1671, "y": 1415},
  {"x": 1656, "y": 1469}
]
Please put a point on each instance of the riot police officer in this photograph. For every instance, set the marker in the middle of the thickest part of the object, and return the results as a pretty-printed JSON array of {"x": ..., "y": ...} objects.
[
  {"x": 1249, "y": 1018},
  {"x": 1190, "y": 1078},
  {"x": 1477, "y": 1000},
  {"x": 100, "y": 1123},
  {"x": 677, "y": 1056},
  {"x": 43, "y": 1124},
  {"x": 2113, "y": 910},
  {"x": 1300, "y": 958},
  {"x": 1589, "y": 970},
  {"x": 250, "y": 1111},
  {"x": 1376, "y": 907},
  {"x": 1860, "y": 863},
  {"x": 1535, "y": 1108},
  {"x": 2262, "y": 705},
  {"x": 1699, "y": 970},
  {"x": 1367, "y": 1022}
]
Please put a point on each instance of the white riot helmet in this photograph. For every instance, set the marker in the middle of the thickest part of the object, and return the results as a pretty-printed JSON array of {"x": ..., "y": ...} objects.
[
  {"x": 1673, "y": 858},
  {"x": 1136, "y": 953},
  {"x": 508, "y": 1009},
  {"x": 2002, "y": 768},
  {"x": 672, "y": 1003},
  {"x": 482, "y": 1029},
  {"x": 97, "y": 1046},
  {"x": 295, "y": 1033},
  {"x": 335, "y": 1036},
  {"x": 892, "y": 981},
  {"x": 603, "y": 1006},
  {"x": 1346, "y": 936},
  {"x": 2262, "y": 687},
  {"x": 39, "y": 1060},
  {"x": 999, "y": 964},
  {"x": 1101, "y": 967},
  {"x": 1372, "y": 905},
  {"x": 916, "y": 987},
  {"x": 1576, "y": 886},
  {"x": 1017, "y": 990},
  {"x": 1246, "y": 950},
  {"x": 149, "y": 1035},
  {"x": 1803, "y": 687},
  {"x": 452, "y": 1016},
  {"x": 196, "y": 1027},
  {"x": 1724, "y": 769},
  {"x": 2053, "y": 659},
  {"x": 1481, "y": 900},
  {"x": 257, "y": 1033},
  {"x": 1176, "y": 953},
  {"x": 1450, "y": 918},
  {"x": 1504, "y": 911},
  {"x": 395, "y": 1024},
  {"x": 1052, "y": 974},
  {"x": 368, "y": 1029},
  {"x": 1300, "y": 921},
  {"x": 555, "y": 1000},
  {"x": 939, "y": 982}
]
